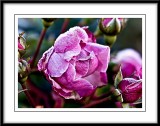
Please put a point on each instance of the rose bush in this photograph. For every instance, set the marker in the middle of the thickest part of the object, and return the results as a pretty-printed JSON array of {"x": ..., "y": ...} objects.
[{"x": 76, "y": 65}]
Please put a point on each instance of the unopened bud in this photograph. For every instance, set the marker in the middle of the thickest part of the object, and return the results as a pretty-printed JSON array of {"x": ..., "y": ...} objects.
[
  {"x": 131, "y": 89},
  {"x": 21, "y": 43},
  {"x": 48, "y": 21},
  {"x": 23, "y": 68},
  {"x": 111, "y": 26}
]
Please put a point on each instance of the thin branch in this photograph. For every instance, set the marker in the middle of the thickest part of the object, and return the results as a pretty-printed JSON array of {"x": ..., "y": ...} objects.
[{"x": 38, "y": 47}]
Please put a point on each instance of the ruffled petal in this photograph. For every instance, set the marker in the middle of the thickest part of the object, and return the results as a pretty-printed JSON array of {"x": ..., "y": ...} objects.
[
  {"x": 67, "y": 77},
  {"x": 82, "y": 87},
  {"x": 97, "y": 78},
  {"x": 82, "y": 68},
  {"x": 69, "y": 40},
  {"x": 57, "y": 65},
  {"x": 102, "y": 53},
  {"x": 44, "y": 60}
]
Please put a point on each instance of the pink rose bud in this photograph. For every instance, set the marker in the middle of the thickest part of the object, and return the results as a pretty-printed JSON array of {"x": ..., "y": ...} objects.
[
  {"x": 21, "y": 43},
  {"x": 131, "y": 63},
  {"x": 111, "y": 26},
  {"x": 75, "y": 65},
  {"x": 131, "y": 89}
]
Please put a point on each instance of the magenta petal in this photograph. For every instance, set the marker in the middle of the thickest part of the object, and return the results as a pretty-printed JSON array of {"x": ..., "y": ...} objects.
[
  {"x": 20, "y": 47},
  {"x": 82, "y": 67},
  {"x": 57, "y": 65},
  {"x": 44, "y": 60},
  {"x": 102, "y": 53},
  {"x": 82, "y": 87},
  {"x": 67, "y": 77},
  {"x": 131, "y": 89},
  {"x": 93, "y": 64},
  {"x": 106, "y": 21},
  {"x": 132, "y": 97},
  {"x": 91, "y": 37},
  {"x": 69, "y": 40},
  {"x": 97, "y": 78}
]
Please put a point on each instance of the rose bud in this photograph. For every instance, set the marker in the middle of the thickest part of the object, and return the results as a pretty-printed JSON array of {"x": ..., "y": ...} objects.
[
  {"x": 48, "y": 21},
  {"x": 131, "y": 63},
  {"x": 111, "y": 26},
  {"x": 76, "y": 65},
  {"x": 131, "y": 89},
  {"x": 21, "y": 43},
  {"x": 23, "y": 68}
]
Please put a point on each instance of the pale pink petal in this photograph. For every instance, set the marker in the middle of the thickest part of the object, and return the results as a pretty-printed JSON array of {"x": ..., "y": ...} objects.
[
  {"x": 57, "y": 65},
  {"x": 102, "y": 53},
  {"x": 44, "y": 60},
  {"x": 97, "y": 78},
  {"x": 70, "y": 40},
  {"x": 67, "y": 77}
]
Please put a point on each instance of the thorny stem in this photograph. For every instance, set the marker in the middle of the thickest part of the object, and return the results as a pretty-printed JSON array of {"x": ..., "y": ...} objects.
[
  {"x": 38, "y": 47},
  {"x": 31, "y": 101}
]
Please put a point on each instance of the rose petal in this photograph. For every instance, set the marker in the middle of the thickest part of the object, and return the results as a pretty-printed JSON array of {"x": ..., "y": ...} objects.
[
  {"x": 97, "y": 78},
  {"x": 82, "y": 87},
  {"x": 102, "y": 53},
  {"x": 67, "y": 77},
  {"x": 91, "y": 37},
  {"x": 82, "y": 67},
  {"x": 44, "y": 60},
  {"x": 57, "y": 65},
  {"x": 69, "y": 40}
]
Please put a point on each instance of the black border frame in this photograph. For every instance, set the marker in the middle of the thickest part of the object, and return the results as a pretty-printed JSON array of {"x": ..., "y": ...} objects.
[{"x": 2, "y": 2}]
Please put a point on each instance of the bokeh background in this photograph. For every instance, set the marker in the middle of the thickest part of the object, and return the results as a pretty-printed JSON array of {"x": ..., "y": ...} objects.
[{"x": 129, "y": 37}]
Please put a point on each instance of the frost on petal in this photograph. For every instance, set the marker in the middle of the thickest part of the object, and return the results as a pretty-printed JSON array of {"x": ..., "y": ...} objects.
[
  {"x": 97, "y": 78},
  {"x": 69, "y": 40},
  {"x": 129, "y": 56},
  {"x": 102, "y": 53},
  {"x": 44, "y": 60},
  {"x": 57, "y": 65}
]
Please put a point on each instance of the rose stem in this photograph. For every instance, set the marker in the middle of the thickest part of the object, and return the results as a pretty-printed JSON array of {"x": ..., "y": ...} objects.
[
  {"x": 38, "y": 47},
  {"x": 31, "y": 101},
  {"x": 97, "y": 102},
  {"x": 65, "y": 24}
]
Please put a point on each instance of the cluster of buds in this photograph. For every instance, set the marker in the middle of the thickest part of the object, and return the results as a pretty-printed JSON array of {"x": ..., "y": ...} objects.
[
  {"x": 111, "y": 27},
  {"x": 23, "y": 66},
  {"x": 129, "y": 77}
]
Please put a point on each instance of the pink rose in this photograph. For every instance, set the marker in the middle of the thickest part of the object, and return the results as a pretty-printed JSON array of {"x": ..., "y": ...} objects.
[
  {"x": 131, "y": 63},
  {"x": 76, "y": 65},
  {"x": 131, "y": 89}
]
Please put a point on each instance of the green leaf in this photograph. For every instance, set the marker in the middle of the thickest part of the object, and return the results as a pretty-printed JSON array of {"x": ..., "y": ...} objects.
[{"x": 118, "y": 78}]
